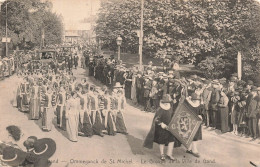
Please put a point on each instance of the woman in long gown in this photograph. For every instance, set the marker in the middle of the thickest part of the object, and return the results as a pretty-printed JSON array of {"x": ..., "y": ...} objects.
[
  {"x": 72, "y": 116},
  {"x": 25, "y": 96},
  {"x": 34, "y": 102},
  {"x": 109, "y": 122},
  {"x": 234, "y": 112},
  {"x": 96, "y": 115},
  {"x": 19, "y": 97},
  {"x": 48, "y": 111},
  {"x": 87, "y": 124},
  {"x": 223, "y": 109},
  {"x": 120, "y": 121}
]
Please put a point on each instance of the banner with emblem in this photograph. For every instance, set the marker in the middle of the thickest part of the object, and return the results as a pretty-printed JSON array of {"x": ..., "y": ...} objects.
[{"x": 184, "y": 124}]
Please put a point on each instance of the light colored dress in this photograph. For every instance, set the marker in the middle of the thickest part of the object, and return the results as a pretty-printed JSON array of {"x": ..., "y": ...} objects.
[
  {"x": 48, "y": 113},
  {"x": 72, "y": 116},
  {"x": 34, "y": 109},
  {"x": 133, "y": 89}
]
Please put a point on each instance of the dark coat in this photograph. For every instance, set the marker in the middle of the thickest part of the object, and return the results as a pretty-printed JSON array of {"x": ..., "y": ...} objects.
[
  {"x": 147, "y": 88},
  {"x": 252, "y": 108},
  {"x": 148, "y": 142}
]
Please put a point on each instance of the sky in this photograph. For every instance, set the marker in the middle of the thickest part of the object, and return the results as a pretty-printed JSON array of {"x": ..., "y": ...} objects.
[{"x": 74, "y": 11}]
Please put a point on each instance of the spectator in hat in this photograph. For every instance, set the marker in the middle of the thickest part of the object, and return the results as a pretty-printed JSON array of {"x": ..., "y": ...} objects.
[
  {"x": 147, "y": 89},
  {"x": 253, "y": 113},
  {"x": 214, "y": 99},
  {"x": 249, "y": 84},
  {"x": 242, "y": 119},
  {"x": 206, "y": 96},
  {"x": 150, "y": 66},
  {"x": 223, "y": 110},
  {"x": 154, "y": 95},
  {"x": 234, "y": 99}
]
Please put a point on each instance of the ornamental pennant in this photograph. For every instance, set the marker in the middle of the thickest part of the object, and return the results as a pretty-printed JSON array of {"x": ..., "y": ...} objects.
[{"x": 185, "y": 123}]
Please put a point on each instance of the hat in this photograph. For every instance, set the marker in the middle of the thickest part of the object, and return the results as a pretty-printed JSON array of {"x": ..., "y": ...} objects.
[
  {"x": 29, "y": 143},
  {"x": 166, "y": 98},
  {"x": 222, "y": 79},
  {"x": 150, "y": 63},
  {"x": 44, "y": 148},
  {"x": 165, "y": 102},
  {"x": 194, "y": 76},
  {"x": 165, "y": 75},
  {"x": 253, "y": 88},
  {"x": 249, "y": 82},
  {"x": 234, "y": 75},
  {"x": 170, "y": 72},
  {"x": 195, "y": 96},
  {"x": 215, "y": 81},
  {"x": 13, "y": 156},
  {"x": 207, "y": 82},
  {"x": 232, "y": 79},
  {"x": 117, "y": 85},
  {"x": 176, "y": 66},
  {"x": 170, "y": 76}
]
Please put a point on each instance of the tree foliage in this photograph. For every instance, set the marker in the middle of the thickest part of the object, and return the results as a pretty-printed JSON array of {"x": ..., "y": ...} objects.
[
  {"x": 189, "y": 31},
  {"x": 26, "y": 21}
]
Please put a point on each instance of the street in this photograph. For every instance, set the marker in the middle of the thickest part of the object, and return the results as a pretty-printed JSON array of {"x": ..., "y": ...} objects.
[{"x": 216, "y": 149}]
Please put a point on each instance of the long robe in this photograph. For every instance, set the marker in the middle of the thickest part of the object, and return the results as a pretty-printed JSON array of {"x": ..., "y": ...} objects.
[
  {"x": 72, "y": 115},
  {"x": 61, "y": 98},
  {"x": 120, "y": 121},
  {"x": 48, "y": 113},
  {"x": 34, "y": 104}
]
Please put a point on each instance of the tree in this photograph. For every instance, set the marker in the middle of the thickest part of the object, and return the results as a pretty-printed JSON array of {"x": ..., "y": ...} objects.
[
  {"x": 189, "y": 31},
  {"x": 25, "y": 21}
]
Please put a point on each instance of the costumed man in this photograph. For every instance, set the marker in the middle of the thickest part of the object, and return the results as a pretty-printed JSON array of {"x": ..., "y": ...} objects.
[
  {"x": 158, "y": 132},
  {"x": 147, "y": 89},
  {"x": 196, "y": 106}
]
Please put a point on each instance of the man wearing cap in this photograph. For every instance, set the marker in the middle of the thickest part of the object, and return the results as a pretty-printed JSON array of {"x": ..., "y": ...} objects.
[
  {"x": 158, "y": 132},
  {"x": 139, "y": 88},
  {"x": 147, "y": 89},
  {"x": 214, "y": 99},
  {"x": 253, "y": 113},
  {"x": 206, "y": 96}
]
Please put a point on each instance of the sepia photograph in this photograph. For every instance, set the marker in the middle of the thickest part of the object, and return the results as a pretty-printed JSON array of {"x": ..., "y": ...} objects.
[{"x": 130, "y": 83}]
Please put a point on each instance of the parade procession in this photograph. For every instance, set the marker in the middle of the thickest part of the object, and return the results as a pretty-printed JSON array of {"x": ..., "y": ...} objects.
[{"x": 129, "y": 83}]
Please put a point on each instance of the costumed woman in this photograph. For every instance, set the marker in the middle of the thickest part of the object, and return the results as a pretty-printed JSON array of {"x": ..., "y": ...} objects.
[
  {"x": 48, "y": 112},
  {"x": 34, "y": 102},
  {"x": 72, "y": 116},
  {"x": 61, "y": 99},
  {"x": 120, "y": 121}
]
